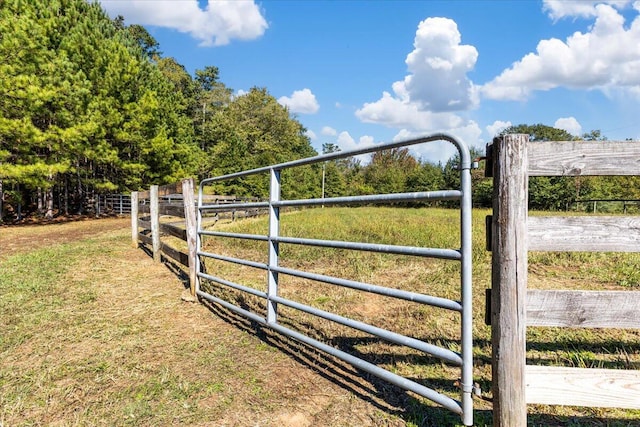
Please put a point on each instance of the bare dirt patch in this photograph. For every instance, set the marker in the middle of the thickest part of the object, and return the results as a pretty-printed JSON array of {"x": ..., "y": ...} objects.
[{"x": 23, "y": 238}]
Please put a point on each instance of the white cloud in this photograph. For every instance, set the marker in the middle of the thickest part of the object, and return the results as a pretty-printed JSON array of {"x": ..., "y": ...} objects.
[
  {"x": 347, "y": 143},
  {"x": 424, "y": 101},
  {"x": 439, "y": 65},
  {"x": 497, "y": 127},
  {"x": 607, "y": 57},
  {"x": 301, "y": 101},
  {"x": 437, "y": 81},
  {"x": 441, "y": 151},
  {"x": 570, "y": 124},
  {"x": 219, "y": 23},
  {"x": 311, "y": 134},
  {"x": 558, "y": 9},
  {"x": 329, "y": 131},
  {"x": 394, "y": 112}
]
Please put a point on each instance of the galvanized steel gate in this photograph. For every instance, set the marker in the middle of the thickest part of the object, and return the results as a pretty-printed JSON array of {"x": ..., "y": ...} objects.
[{"x": 463, "y": 359}]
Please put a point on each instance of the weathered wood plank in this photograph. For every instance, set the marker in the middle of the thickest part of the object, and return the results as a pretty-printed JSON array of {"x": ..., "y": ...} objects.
[
  {"x": 584, "y": 309},
  {"x": 134, "y": 218},
  {"x": 146, "y": 225},
  {"x": 509, "y": 280},
  {"x": 573, "y": 158},
  {"x": 584, "y": 233},
  {"x": 144, "y": 208},
  {"x": 175, "y": 254},
  {"x": 171, "y": 209},
  {"x": 606, "y": 388},
  {"x": 164, "y": 190},
  {"x": 191, "y": 233},
  {"x": 174, "y": 231},
  {"x": 147, "y": 240},
  {"x": 155, "y": 223}
]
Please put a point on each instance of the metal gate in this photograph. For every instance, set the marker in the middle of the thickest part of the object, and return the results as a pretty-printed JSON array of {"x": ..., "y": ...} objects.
[{"x": 271, "y": 297}]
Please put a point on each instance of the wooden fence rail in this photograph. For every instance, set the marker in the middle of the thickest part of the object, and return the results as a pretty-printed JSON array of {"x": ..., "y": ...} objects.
[
  {"x": 175, "y": 200},
  {"x": 513, "y": 307}
]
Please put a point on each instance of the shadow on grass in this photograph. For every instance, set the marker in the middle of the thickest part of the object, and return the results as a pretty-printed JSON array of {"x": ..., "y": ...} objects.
[
  {"x": 396, "y": 401},
  {"x": 385, "y": 396}
]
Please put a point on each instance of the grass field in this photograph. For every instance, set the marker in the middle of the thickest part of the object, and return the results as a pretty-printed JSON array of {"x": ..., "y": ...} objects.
[{"x": 94, "y": 333}]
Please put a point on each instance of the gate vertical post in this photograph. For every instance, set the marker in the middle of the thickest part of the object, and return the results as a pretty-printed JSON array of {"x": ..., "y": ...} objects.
[
  {"x": 509, "y": 280},
  {"x": 274, "y": 250},
  {"x": 155, "y": 223},
  {"x": 192, "y": 232},
  {"x": 466, "y": 288},
  {"x": 134, "y": 219}
]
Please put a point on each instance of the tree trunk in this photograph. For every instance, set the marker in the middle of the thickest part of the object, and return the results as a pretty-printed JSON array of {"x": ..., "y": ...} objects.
[
  {"x": 49, "y": 203},
  {"x": 1, "y": 202},
  {"x": 40, "y": 198}
]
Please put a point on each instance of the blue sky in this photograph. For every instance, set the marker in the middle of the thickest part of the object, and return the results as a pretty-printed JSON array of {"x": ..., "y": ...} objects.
[{"x": 362, "y": 72}]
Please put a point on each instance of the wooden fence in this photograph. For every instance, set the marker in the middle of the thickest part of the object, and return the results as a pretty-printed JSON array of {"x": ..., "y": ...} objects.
[
  {"x": 176, "y": 201},
  {"x": 513, "y": 307}
]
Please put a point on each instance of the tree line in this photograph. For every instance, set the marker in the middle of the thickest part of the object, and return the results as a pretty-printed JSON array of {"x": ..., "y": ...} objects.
[{"x": 89, "y": 106}]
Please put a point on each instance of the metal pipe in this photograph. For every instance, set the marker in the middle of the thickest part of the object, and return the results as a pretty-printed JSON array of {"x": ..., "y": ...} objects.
[
  {"x": 235, "y": 235},
  {"x": 375, "y": 289},
  {"x": 240, "y": 261},
  {"x": 390, "y": 377},
  {"x": 233, "y": 285},
  {"x": 393, "y": 337},
  {"x": 274, "y": 249},
  {"x": 235, "y": 309},
  {"x": 465, "y": 157},
  {"x": 374, "y": 247},
  {"x": 377, "y": 198}
]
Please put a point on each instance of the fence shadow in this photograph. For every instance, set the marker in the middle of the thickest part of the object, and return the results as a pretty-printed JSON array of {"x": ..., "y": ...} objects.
[{"x": 384, "y": 396}]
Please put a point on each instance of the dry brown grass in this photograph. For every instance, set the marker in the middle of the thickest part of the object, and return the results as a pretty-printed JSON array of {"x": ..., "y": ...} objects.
[
  {"x": 106, "y": 340},
  {"x": 93, "y": 332}
]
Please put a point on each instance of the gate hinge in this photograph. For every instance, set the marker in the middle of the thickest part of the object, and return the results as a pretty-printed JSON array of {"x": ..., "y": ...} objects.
[{"x": 475, "y": 388}]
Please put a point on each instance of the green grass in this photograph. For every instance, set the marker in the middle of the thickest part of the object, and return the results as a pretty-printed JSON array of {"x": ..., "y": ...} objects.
[
  {"x": 92, "y": 332},
  {"x": 431, "y": 228}
]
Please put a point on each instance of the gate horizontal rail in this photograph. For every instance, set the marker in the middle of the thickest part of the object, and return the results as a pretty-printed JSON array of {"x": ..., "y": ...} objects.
[{"x": 272, "y": 298}]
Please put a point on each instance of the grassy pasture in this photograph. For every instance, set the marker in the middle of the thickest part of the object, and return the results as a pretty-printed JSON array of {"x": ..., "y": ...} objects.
[{"x": 92, "y": 332}]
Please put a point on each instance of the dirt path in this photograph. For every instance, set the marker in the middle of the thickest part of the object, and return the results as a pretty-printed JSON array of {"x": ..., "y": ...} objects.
[{"x": 121, "y": 348}]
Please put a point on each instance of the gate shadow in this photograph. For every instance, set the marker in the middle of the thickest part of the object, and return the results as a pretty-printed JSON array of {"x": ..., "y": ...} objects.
[
  {"x": 396, "y": 401},
  {"x": 384, "y": 396}
]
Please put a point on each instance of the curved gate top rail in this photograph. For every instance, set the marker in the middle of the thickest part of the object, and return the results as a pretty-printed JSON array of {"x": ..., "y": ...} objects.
[{"x": 464, "y": 359}]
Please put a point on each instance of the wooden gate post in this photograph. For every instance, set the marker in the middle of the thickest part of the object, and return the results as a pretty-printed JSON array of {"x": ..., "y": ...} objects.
[
  {"x": 155, "y": 222},
  {"x": 134, "y": 219},
  {"x": 509, "y": 280},
  {"x": 190, "y": 219}
]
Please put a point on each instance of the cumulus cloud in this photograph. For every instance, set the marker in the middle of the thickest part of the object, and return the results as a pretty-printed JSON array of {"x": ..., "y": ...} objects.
[
  {"x": 215, "y": 25},
  {"x": 346, "y": 142},
  {"x": 301, "y": 101},
  {"x": 311, "y": 134},
  {"x": 441, "y": 151},
  {"x": 607, "y": 57},
  {"x": 570, "y": 124},
  {"x": 329, "y": 131},
  {"x": 558, "y": 9},
  {"x": 439, "y": 65},
  {"x": 436, "y": 86},
  {"x": 497, "y": 127}
]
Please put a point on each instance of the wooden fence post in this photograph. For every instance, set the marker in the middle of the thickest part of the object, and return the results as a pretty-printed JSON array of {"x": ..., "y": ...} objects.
[
  {"x": 190, "y": 220},
  {"x": 509, "y": 280},
  {"x": 134, "y": 219},
  {"x": 155, "y": 223}
]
